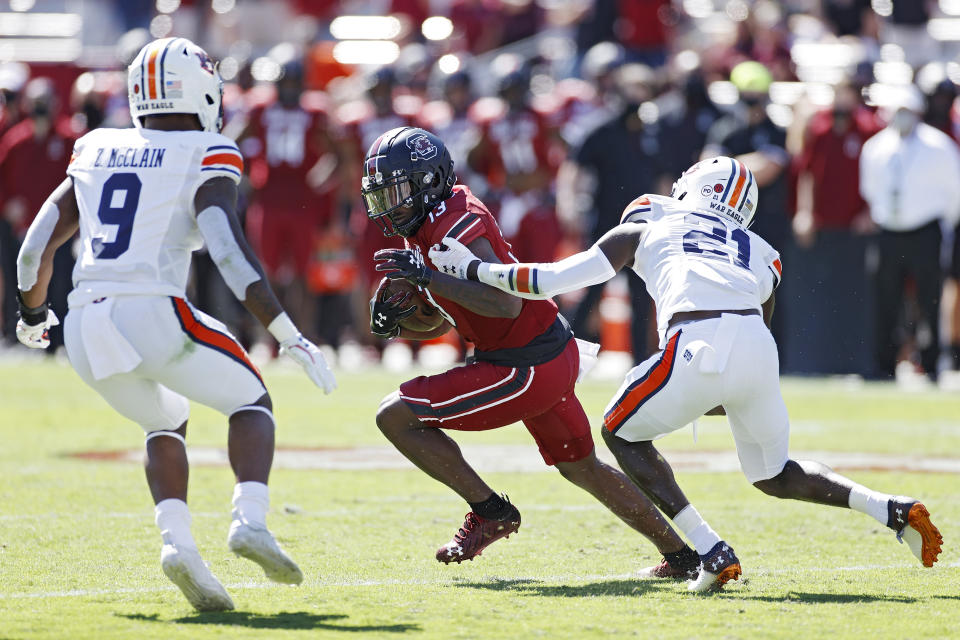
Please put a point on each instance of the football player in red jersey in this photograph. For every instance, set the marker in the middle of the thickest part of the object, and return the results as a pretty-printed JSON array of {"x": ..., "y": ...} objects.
[
  {"x": 294, "y": 149},
  {"x": 526, "y": 361},
  {"x": 519, "y": 154}
]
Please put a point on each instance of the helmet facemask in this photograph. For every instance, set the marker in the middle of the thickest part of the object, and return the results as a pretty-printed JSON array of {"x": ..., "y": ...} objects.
[{"x": 393, "y": 206}]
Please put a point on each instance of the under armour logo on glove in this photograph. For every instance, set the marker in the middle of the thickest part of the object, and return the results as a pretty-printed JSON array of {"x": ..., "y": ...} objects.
[{"x": 387, "y": 313}]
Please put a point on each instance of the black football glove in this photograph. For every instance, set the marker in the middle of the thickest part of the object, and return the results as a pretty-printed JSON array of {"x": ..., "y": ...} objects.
[
  {"x": 404, "y": 264},
  {"x": 386, "y": 313}
]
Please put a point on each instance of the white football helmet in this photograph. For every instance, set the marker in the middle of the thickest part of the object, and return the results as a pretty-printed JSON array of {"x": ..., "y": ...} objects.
[
  {"x": 720, "y": 185},
  {"x": 173, "y": 75}
]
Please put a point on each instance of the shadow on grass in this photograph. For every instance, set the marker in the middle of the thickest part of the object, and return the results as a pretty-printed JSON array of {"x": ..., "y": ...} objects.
[
  {"x": 829, "y": 598},
  {"x": 282, "y": 620},
  {"x": 606, "y": 588}
]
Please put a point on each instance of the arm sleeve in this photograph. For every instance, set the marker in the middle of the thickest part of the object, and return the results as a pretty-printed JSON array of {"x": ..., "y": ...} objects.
[
  {"x": 233, "y": 265},
  {"x": 545, "y": 280}
]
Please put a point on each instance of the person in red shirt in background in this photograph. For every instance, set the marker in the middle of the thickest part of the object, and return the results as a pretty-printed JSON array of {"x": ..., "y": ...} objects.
[
  {"x": 360, "y": 123},
  {"x": 294, "y": 181},
  {"x": 34, "y": 153},
  {"x": 516, "y": 154},
  {"x": 829, "y": 226},
  {"x": 525, "y": 365}
]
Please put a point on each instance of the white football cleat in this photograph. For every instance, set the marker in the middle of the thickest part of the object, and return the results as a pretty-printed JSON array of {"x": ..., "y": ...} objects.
[
  {"x": 186, "y": 569},
  {"x": 258, "y": 544},
  {"x": 718, "y": 567}
]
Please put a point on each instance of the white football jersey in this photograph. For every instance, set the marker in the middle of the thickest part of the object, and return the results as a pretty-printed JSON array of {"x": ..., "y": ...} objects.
[
  {"x": 694, "y": 260},
  {"x": 135, "y": 191}
]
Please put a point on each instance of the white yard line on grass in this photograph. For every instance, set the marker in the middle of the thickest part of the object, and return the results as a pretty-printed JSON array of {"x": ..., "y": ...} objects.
[
  {"x": 87, "y": 593},
  {"x": 525, "y": 459}
]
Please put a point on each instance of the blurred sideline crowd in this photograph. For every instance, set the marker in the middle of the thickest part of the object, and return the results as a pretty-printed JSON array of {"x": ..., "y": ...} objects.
[{"x": 557, "y": 114}]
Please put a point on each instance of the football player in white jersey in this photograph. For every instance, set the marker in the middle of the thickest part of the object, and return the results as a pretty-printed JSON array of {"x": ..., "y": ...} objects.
[
  {"x": 712, "y": 281},
  {"x": 144, "y": 199}
]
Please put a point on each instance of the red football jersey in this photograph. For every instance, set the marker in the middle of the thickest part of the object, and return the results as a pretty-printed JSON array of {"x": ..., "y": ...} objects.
[
  {"x": 464, "y": 217},
  {"x": 290, "y": 145}
]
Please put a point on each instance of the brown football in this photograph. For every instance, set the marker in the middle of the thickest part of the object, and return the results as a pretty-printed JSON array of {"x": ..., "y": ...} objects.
[{"x": 426, "y": 317}]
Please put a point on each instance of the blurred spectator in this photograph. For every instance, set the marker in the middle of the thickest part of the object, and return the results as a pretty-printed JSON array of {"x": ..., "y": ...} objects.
[
  {"x": 908, "y": 176},
  {"x": 615, "y": 163},
  {"x": 13, "y": 75},
  {"x": 750, "y": 136},
  {"x": 761, "y": 38},
  {"x": 941, "y": 113},
  {"x": 685, "y": 123},
  {"x": 826, "y": 273},
  {"x": 34, "y": 155},
  {"x": 907, "y": 28},
  {"x": 640, "y": 26},
  {"x": 450, "y": 120},
  {"x": 582, "y": 104},
  {"x": 850, "y": 17},
  {"x": 514, "y": 156},
  {"x": 294, "y": 182}
]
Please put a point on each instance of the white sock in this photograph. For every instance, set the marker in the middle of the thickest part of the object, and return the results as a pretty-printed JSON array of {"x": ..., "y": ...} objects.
[
  {"x": 250, "y": 503},
  {"x": 696, "y": 529},
  {"x": 173, "y": 518},
  {"x": 873, "y": 503}
]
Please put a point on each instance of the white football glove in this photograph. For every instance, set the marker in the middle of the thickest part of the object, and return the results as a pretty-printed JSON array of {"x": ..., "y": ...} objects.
[
  {"x": 452, "y": 258},
  {"x": 308, "y": 356},
  {"x": 36, "y": 336}
]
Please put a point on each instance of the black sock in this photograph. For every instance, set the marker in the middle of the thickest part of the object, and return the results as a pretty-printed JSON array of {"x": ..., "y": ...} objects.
[
  {"x": 686, "y": 559},
  {"x": 493, "y": 508}
]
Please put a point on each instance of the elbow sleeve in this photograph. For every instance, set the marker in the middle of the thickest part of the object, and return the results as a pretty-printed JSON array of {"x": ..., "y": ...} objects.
[
  {"x": 226, "y": 253},
  {"x": 35, "y": 243}
]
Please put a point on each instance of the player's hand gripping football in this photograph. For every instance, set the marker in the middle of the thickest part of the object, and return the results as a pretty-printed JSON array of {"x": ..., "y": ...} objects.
[
  {"x": 404, "y": 264},
  {"x": 33, "y": 327},
  {"x": 386, "y": 313},
  {"x": 452, "y": 257},
  {"x": 308, "y": 356}
]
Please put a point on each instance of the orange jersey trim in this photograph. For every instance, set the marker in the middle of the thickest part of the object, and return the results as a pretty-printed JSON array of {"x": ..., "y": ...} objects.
[
  {"x": 203, "y": 334},
  {"x": 644, "y": 388}
]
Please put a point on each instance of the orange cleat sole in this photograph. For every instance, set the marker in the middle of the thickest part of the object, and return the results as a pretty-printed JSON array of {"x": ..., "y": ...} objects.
[
  {"x": 919, "y": 519},
  {"x": 732, "y": 572}
]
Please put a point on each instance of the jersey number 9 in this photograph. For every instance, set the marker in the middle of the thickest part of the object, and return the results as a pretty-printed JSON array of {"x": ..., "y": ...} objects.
[{"x": 118, "y": 206}]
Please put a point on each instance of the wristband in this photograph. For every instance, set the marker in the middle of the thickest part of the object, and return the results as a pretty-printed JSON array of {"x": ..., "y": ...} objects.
[
  {"x": 282, "y": 328},
  {"x": 31, "y": 316}
]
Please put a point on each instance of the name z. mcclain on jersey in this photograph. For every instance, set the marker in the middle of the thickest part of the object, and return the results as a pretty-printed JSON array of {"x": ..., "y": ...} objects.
[{"x": 141, "y": 157}]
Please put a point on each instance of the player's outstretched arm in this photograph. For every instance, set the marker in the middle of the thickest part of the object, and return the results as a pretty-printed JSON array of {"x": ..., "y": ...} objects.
[
  {"x": 597, "y": 264},
  {"x": 215, "y": 204},
  {"x": 56, "y": 222}
]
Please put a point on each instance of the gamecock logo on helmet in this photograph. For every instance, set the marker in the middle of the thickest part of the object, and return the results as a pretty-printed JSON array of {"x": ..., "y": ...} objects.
[{"x": 421, "y": 146}]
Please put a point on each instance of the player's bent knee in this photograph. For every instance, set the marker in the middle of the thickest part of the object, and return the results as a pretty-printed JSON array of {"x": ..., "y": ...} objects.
[
  {"x": 779, "y": 486},
  {"x": 394, "y": 414}
]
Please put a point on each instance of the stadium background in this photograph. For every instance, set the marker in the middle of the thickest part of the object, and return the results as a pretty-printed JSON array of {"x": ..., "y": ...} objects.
[{"x": 526, "y": 94}]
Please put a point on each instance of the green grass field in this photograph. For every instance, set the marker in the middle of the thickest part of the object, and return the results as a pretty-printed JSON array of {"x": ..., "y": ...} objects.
[{"x": 79, "y": 553}]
